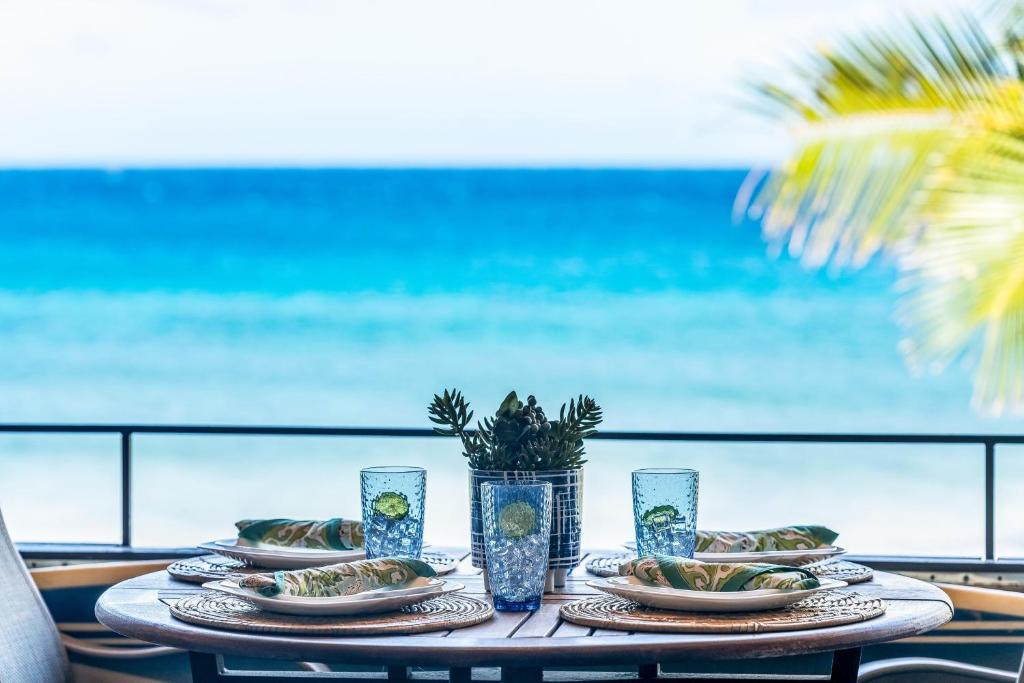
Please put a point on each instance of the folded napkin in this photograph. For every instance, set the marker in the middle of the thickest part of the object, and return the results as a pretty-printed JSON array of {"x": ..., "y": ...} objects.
[
  {"x": 332, "y": 534},
  {"x": 782, "y": 538},
  {"x": 338, "y": 579},
  {"x": 694, "y": 575}
]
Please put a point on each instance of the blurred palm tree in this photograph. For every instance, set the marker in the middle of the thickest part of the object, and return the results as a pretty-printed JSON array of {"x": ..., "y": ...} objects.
[{"x": 910, "y": 144}]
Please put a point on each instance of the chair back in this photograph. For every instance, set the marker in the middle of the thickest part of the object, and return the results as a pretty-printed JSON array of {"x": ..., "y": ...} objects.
[{"x": 30, "y": 646}]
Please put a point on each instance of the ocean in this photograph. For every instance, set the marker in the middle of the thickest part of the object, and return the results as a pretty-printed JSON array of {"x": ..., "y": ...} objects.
[{"x": 350, "y": 296}]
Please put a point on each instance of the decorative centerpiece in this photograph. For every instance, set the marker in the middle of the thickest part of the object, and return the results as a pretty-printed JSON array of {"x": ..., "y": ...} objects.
[{"x": 520, "y": 444}]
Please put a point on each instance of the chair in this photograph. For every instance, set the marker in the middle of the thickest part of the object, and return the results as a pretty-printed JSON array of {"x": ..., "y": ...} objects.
[
  {"x": 998, "y": 602},
  {"x": 30, "y": 645},
  {"x": 32, "y": 648}
]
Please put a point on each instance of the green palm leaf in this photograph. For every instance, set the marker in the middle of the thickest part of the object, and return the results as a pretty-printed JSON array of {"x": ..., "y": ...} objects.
[
  {"x": 965, "y": 276},
  {"x": 878, "y": 116},
  {"x": 912, "y": 143}
]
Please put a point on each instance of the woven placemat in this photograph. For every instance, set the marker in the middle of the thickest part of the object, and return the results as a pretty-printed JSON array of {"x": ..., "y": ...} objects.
[
  {"x": 213, "y": 567},
  {"x": 832, "y": 608},
  {"x": 444, "y": 613},
  {"x": 841, "y": 570},
  {"x": 209, "y": 568},
  {"x": 607, "y": 565}
]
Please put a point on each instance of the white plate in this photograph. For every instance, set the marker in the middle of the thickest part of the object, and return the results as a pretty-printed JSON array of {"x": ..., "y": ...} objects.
[
  {"x": 418, "y": 585},
  {"x": 705, "y": 601},
  {"x": 792, "y": 558},
  {"x": 371, "y": 602},
  {"x": 679, "y": 600},
  {"x": 281, "y": 558}
]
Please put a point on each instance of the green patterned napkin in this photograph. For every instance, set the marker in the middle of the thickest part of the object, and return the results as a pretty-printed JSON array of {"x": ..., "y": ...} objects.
[
  {"x": 783, "y": 538},
  {"x": 338, "y": 579},
  {"x": 332, "y": 534},
  {"x": 694, "y": 575}
]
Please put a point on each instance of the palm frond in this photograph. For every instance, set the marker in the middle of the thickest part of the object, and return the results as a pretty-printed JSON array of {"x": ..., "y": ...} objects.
[
  {"x": 965, "y": 278},
  {"x": 879, "y": 116}
]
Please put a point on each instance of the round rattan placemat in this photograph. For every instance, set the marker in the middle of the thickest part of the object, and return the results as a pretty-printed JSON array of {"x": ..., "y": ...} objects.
[
  {"x": 209, "y": 568},
  {"x": 841, "y": 570},
  {"x": 443, "y": 613},
  {"x": 213, "y": 567},
  {"x": 607, "y": 565},
  {"x": 832, "y": 608}
]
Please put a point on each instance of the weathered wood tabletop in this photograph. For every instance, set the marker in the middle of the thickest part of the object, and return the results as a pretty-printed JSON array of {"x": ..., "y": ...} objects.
[{"x": 522, "y": 643}]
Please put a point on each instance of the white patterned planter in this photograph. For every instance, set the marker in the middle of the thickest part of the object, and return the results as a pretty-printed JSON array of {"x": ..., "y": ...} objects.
[{"x": 566, "y": 515}]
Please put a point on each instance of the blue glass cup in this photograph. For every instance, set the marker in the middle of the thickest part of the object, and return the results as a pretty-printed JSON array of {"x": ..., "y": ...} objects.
[
  {"x": 517, "y": 537},
  {"x": 393, "y": 504},
  {"x": 665, "y": 511}
]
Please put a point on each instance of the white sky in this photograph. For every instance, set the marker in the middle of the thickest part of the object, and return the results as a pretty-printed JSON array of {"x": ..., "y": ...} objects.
[{"x": 424, "y": 82}]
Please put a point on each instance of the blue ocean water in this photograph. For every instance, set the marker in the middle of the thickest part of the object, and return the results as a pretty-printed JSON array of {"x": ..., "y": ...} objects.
[{"x": 350, "y": 296}]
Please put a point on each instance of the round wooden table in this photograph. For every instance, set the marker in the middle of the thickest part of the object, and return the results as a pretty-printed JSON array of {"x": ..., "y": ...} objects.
[{"x": 522, "y": 644}]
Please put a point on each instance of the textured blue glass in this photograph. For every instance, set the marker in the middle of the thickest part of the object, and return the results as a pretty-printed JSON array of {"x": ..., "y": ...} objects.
[
  {"x": 393, "y": 501},
  {"x": 517, "y": 535},
  {"x": 665, "y": 511}
]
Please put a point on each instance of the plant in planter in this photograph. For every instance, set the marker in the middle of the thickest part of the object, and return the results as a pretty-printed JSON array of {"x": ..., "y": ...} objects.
[{"x": 520, "y": 442}]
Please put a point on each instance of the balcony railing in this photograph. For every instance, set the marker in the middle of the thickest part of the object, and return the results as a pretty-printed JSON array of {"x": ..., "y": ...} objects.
[{"x": 985, "y": 443}]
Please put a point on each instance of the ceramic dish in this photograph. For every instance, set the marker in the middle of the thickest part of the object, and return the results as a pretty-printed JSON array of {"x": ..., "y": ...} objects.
[
  {"x": 281, "y": 558},
  {"x": 370, "y": 602},
  {"x": 679, "y": 600},
  {"x": 792, "y": 558}
]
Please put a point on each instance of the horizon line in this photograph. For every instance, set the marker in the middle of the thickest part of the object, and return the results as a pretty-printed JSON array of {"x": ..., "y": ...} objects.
[{"x": 116, "y": 168}]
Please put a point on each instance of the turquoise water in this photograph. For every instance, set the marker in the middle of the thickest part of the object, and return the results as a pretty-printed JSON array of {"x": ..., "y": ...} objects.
[{"x": 350, "y": 296}]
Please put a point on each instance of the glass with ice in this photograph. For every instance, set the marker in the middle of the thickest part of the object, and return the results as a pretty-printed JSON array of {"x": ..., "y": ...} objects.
[
  {"x": 393, "y": 501},
  {"x": 517, "y": 536},
  {"x": 665, "y": 511}
]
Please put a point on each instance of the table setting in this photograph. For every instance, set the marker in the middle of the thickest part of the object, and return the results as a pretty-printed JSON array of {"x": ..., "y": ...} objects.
[
  {"x": 374, "y": 574},
  {"x": 339, "y": 575}
]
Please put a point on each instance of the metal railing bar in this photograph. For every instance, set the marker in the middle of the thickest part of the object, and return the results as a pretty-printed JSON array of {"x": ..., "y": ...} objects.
[
  {"x": 242, "y": 430},
  {"x": 126, "y": 489},
  {"x": 990, "y": 500},
  {"x": 100, "y": 551},
  {"x": 126, "y": 431},
  {"x": 409, "y": 432}
]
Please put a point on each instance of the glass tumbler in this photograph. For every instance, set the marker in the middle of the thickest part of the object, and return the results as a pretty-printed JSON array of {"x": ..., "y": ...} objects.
[
  {"x": 517, "y": 536},
  {"x": 665, "y": 511},
  {"x": 393, "y": 501}
]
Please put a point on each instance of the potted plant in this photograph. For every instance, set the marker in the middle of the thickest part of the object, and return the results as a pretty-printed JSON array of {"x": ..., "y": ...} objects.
[{"x": 518, "y": 443}]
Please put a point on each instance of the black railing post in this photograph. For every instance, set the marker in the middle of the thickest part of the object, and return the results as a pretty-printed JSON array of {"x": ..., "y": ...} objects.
[
  {"x": 990, "y": 500},
  {"x": 126, "y": 488}
]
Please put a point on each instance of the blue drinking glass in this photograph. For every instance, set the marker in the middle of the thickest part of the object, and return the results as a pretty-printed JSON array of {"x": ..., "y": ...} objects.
[
  {"x": 517, "y": 537},
  {"x": 665, "y": 511},
  {"x": 393, "y": 502}
]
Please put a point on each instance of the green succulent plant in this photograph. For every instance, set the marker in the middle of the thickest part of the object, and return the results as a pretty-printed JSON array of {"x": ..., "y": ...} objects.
[{"x": 519, "y": 436}]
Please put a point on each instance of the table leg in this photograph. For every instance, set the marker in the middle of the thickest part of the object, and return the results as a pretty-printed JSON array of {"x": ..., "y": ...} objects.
[
  {"x": 204, "y": 667},
  {"x": 460, "y": 674},
  {"x": 521, "y": 674},
  {"x": 207, "y": 669},
  {"x": 845, "y": 666}
]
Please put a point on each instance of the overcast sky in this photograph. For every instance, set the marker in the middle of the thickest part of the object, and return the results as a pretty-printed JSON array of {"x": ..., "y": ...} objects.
[{"x": 435, "y": 82}]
